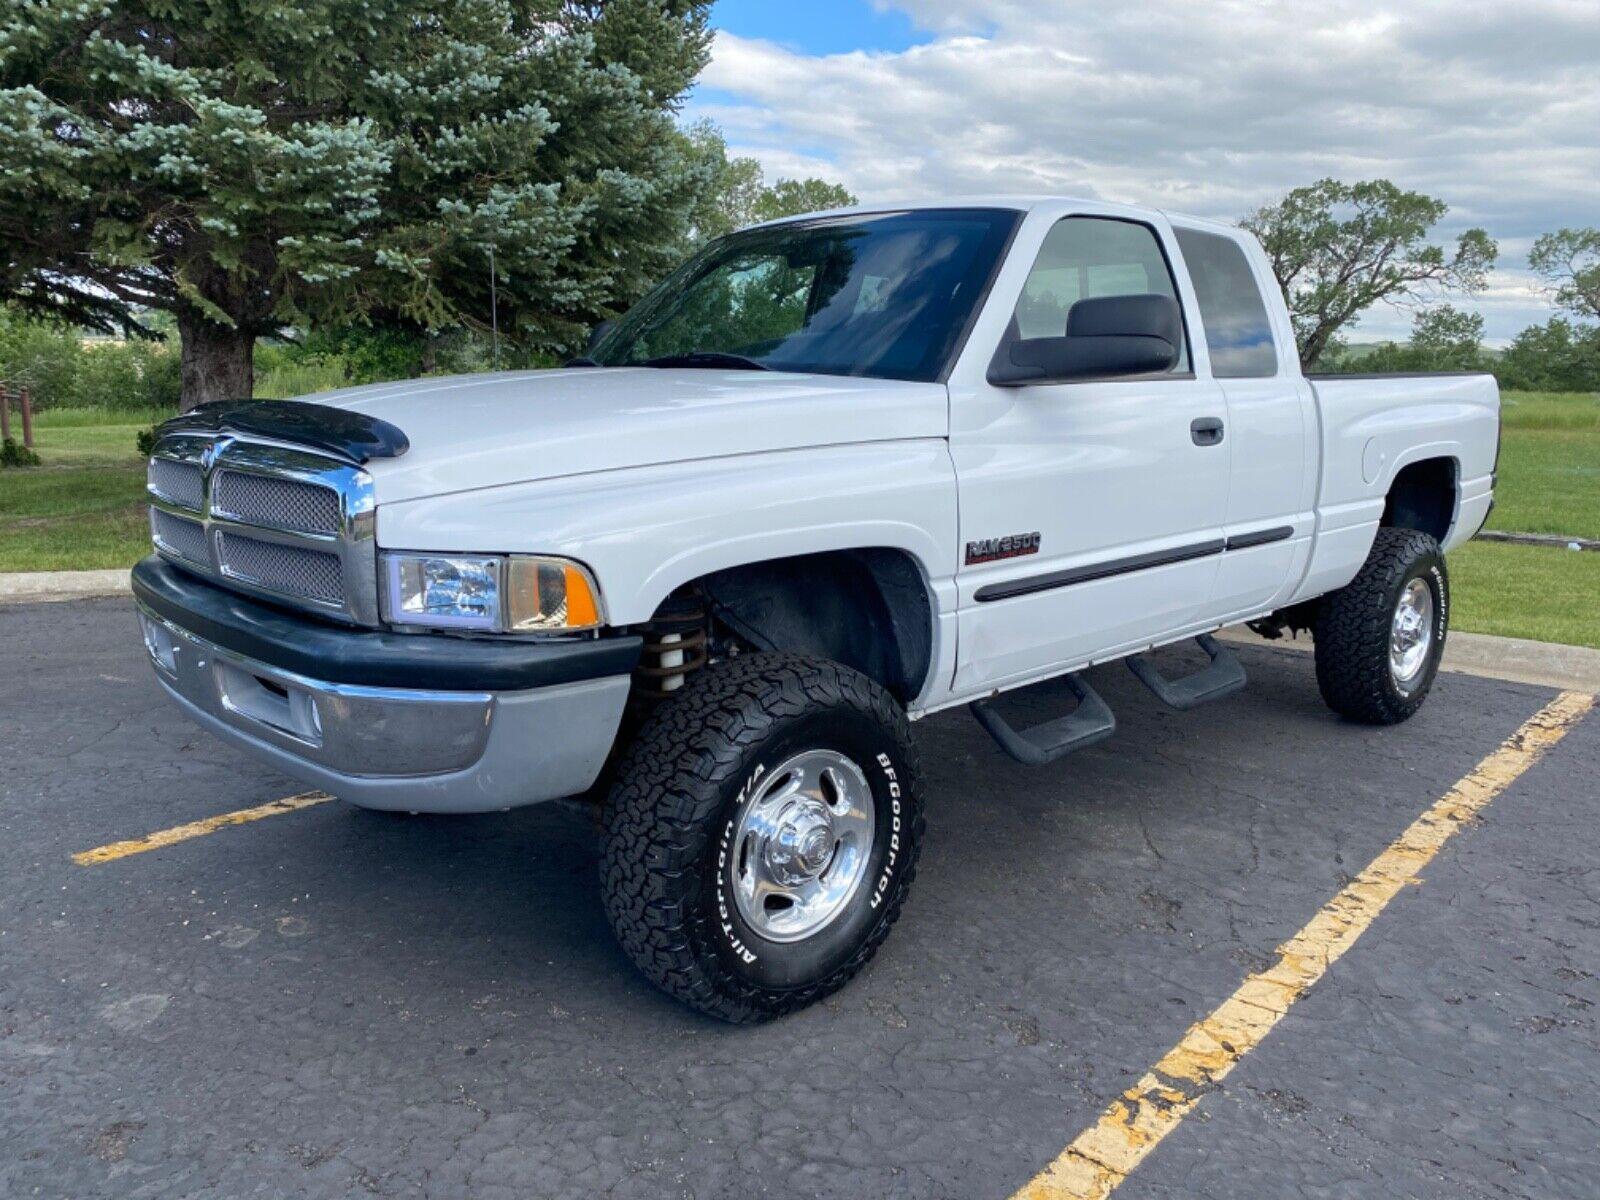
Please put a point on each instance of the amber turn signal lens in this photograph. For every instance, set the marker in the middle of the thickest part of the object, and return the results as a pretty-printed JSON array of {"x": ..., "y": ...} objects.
[
  {"x": 546, "y": 595},
  {"x": 583, "y": 609}
]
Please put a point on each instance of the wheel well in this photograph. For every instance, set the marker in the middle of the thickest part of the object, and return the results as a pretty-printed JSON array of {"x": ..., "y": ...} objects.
[
  {"x": 868, "y": 609},
  {"x": 1423, "y": 497}
]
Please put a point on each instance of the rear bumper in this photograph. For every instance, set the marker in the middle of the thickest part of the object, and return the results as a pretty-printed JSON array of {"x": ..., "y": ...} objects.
[{"x": 441, "y": 748}]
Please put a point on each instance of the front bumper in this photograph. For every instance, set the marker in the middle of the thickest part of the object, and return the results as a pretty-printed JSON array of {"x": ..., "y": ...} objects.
[{"x": 459, "y": 743}]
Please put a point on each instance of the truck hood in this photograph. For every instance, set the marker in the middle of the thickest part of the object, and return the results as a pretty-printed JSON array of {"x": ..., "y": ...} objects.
[{"x": 483, "y": 431}]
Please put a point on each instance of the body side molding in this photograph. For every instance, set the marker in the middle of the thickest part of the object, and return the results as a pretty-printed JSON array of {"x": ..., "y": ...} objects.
[{"x": 1122, "y": 566}]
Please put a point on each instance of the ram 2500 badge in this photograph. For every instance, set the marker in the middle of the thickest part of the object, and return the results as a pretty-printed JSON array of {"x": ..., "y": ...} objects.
[{"x": 835, "y": 474}]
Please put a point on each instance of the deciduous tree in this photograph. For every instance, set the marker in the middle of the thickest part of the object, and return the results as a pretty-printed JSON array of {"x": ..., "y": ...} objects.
[
  {"x": 1340, "y": 248},
  {"x": 733, "y": 185},
  {"x": 1443, "y": 338},
  {"x": 1568, "y": 261},
  {"x": 791, "y": 197},
  {"x": 1557, "y": 356},
  {"x": 739, "y": 195}
]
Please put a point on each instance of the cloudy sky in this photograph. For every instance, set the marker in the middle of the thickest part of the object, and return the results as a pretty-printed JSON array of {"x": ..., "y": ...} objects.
[{"x": 1200, "y": 106}]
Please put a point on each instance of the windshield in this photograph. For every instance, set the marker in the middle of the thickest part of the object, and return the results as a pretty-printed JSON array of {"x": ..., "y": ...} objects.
[{"x": 883, "y": 295}]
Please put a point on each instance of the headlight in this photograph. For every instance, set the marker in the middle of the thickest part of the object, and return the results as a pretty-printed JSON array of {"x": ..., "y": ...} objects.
[
  {"x": 448, "y": 593},
  {"x": 491, "y": 593}
]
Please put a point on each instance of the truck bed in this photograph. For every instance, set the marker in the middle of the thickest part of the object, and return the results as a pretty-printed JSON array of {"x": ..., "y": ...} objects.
[{"x": 1373, "y": 427}]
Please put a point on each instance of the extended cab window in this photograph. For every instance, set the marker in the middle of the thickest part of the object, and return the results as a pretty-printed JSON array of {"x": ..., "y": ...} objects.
[
  {"x": 1238, "y": 333},
  {"x": 1085, "y": 258}
]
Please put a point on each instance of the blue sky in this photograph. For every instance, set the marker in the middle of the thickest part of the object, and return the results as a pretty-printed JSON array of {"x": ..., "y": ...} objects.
[
  {"x": 1211, "y": 108},
  {"x": 820, "y": 26}
]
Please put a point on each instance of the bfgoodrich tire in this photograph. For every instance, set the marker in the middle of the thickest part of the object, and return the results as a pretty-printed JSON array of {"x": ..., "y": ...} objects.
[
  {"x": 1380, "y": 638},
  {"x": 762, "y": 835}
]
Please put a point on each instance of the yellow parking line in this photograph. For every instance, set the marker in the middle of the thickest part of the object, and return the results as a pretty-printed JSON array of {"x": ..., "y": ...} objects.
[
  {"x": 194, "y": 829},
  {"x": 1103, "y": 1155}
]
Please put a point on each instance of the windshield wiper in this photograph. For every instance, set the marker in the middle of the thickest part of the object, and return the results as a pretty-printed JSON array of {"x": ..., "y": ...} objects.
[{"x": 713, "y": 359}]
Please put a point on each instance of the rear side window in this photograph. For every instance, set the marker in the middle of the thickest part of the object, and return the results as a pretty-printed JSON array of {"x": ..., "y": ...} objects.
[
  {"x": 1238, "y": 333},
  {"x": 1085, "y": 258}
]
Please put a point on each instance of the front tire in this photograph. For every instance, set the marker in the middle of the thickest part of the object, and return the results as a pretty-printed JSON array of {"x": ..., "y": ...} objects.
[
  {"x": 1379, "y": 639},
  {"x": 762, "y": 835}
]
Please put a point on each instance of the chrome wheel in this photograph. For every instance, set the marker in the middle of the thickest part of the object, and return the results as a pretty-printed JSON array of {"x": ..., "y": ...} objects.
[
  {"x": 1411, "y": 635},
  {"x": 801, "y": 846}
]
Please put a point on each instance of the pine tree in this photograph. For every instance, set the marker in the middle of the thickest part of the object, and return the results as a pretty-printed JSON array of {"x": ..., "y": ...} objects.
[{"x": 249, "y": 164}]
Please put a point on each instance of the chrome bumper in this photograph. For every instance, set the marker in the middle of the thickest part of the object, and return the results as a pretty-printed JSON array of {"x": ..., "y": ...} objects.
[{"x": 394, "y": 748}]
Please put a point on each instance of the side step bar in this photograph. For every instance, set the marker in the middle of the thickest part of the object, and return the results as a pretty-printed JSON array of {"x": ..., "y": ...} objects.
[
  {"x": 1090, "y": 722},
  {"x": 1223, "y": 677}
]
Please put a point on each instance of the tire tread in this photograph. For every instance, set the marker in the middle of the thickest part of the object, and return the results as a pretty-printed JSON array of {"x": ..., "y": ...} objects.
[
  {"x": 662, "y": 809},
  {"x": 1351, "y": 632}
]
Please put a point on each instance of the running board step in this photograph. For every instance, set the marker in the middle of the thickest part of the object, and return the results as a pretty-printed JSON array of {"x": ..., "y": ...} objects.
[
  {"x": 1222, "y": 678},
  {"x": 1090, "y": 722}
]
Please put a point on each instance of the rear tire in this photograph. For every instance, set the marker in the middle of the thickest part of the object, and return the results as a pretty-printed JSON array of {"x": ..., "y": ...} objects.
[
  {"x": 762, "y": 835},
  {"x": 1379, "y": 639}
]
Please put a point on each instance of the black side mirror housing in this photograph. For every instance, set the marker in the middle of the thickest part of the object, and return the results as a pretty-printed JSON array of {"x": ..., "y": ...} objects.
[
  {"x": 1110, "y": 337},
  {"x": 597, "y": 335}
]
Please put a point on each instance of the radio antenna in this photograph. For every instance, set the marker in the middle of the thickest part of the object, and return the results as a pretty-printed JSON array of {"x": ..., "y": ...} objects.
[{"x": 494, "y": 309}]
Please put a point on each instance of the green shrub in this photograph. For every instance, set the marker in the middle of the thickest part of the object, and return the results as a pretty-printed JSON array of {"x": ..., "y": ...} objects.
[
  {"x": 61, "y": 370},
  {"x": 64, "y": 372},
  {"x": 129, "y": 375},
  {"x": 285, "y": 378},
  {"x": 1442, "y": 339},
  {"x": 1558, "y": 356},
  {"x": 41, "y": 357},
  {"x": 325, "y": 359},
  {"x": 13, "y": 455},
  {"x": 371, "y": 355}
]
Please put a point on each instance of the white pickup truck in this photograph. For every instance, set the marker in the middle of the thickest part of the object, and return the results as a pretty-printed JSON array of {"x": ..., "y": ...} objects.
[{"x": 835, "y": 474}]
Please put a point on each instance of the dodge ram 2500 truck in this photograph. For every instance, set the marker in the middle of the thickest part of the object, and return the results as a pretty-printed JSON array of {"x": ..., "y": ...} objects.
[{"x": 836, "y": 473}]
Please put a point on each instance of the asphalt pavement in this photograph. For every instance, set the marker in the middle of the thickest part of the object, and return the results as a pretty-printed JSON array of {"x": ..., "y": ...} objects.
[{"x": 327, "y": 1002}]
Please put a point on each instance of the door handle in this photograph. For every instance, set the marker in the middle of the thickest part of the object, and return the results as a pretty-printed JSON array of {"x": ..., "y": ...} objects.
[{"x": 1206, "y": 431}]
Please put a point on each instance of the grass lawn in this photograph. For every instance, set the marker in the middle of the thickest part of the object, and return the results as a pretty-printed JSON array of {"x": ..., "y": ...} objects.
[
  {"x": 1549, "y": 465},
  {"x": 1547, "y": 594},
  {"x": 85, "y": 509},
  {"x": 82, "y": 509}
]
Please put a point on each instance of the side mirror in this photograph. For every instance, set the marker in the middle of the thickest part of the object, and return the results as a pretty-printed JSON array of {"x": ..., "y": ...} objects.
[
  {"x": 1111, "y": 337},
  {"x": 597, "y": 335}
]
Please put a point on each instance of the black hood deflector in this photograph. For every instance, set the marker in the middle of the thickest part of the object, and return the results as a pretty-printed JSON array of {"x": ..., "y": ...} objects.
[{"x": 350, "y": 435}]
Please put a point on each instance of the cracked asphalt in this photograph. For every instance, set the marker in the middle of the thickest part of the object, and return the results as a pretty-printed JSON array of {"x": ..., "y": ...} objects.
[{"x": 333, "y": 1003}]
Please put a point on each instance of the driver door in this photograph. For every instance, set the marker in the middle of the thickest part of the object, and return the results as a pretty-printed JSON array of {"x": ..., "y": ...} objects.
[{"x": 1112, "y": 492}]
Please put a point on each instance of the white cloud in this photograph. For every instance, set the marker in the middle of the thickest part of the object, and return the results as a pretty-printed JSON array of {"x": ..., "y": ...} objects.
[{"x": 1208, "y": 108}]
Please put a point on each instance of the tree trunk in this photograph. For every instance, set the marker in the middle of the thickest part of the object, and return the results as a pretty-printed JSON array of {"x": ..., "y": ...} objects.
[
  {"x": 217, "y": 363},
  {"x": 1316, "y": 346}
]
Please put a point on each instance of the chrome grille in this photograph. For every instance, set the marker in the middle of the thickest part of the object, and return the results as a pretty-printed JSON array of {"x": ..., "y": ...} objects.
[
  {"x": 292, "y": 525},
  {"x": 275, "y": 503},
  {"x": 186, "y": 539},
  {"x": 291, "y": 570},
  {"x": 180, "y": 482}
]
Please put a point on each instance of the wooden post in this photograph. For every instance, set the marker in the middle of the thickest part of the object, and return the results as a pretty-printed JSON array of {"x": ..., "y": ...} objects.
[
  {"x": 27, "y": 421},
  {"x": 5, "y": 413}
]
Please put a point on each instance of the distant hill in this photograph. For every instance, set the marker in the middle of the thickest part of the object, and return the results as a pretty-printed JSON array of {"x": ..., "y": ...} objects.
[{"x": 1356, "y": 351}]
